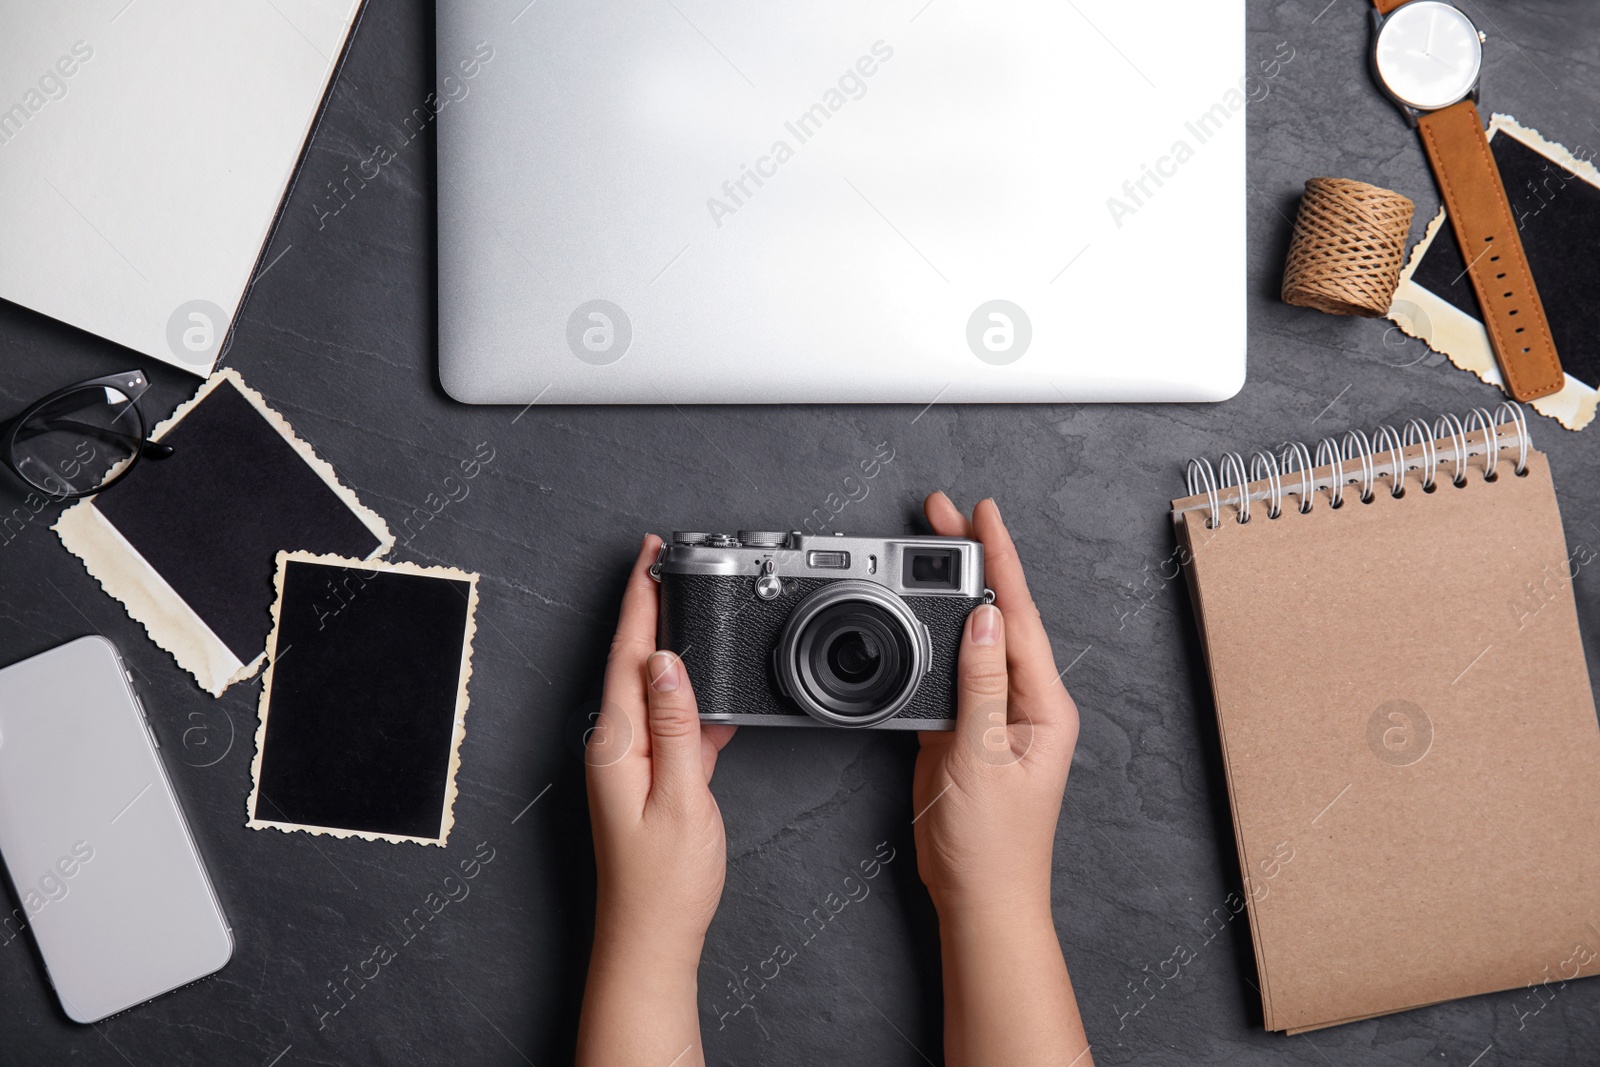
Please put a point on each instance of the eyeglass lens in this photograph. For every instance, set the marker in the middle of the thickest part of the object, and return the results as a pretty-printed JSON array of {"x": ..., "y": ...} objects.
[{"x": 79, "y": 441}]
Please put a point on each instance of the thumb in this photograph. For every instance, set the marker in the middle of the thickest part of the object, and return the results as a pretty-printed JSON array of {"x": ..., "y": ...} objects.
[
  {"x": 677, "y": 767},
  {"x": 982, "y": 684}
]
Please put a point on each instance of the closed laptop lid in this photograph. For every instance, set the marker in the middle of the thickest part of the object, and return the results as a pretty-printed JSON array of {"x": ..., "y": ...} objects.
[{"x": 711, "y": 201}]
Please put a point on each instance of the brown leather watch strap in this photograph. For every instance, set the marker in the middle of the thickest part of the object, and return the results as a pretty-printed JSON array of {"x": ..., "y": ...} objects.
[
  {"x": 1476, "y": 201},
  {"x": 1386, "y": 6}
]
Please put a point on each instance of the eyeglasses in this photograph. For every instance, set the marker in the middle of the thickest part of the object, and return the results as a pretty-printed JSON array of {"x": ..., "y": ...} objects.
[{"x": 82, "y": 439}]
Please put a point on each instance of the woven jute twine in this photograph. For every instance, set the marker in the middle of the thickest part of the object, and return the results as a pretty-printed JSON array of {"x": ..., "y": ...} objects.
[{"x": 1348, "y": 248}]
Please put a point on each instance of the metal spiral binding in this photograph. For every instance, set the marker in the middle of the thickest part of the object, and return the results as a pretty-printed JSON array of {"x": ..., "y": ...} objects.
[
  {"x": 1264, "y": 467},
  {"x": 1202, "y": 478},
  {"x": 1480, "y": 418},
  {"x": 1448, "y": 423},
  {"x": 1384, "y": 435},
  {"x": 1418, "y": 433},
  {"x": 1511, "y": 412},
  {"x": 1231, "y": 471},
  {"x": 1359, "y": 448},
  {"x": 1298, "y": 451},
  {"x": 1385, "y": 448},
  {"x": 1329, "y": 454}
]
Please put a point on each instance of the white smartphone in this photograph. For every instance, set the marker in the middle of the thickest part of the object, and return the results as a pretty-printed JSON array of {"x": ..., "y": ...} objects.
[{"x": 102, "y": 861}]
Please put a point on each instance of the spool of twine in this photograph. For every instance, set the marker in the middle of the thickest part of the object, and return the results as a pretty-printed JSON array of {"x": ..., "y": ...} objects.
[{"x": 1348, "y": 248}]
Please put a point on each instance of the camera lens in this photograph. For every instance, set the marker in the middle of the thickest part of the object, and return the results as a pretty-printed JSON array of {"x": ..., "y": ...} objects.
[
  {"x": 855, "y": 658},
  {"x": 852, "y": 656}
]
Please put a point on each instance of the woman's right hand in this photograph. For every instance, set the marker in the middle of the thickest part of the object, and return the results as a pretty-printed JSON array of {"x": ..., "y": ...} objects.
[
  {"x": 987, "y": 796},
  {"x": 988, "y": 793}
]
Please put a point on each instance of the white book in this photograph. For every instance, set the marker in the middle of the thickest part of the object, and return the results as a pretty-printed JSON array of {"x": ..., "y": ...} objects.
[{"x": 145, "y": 148}]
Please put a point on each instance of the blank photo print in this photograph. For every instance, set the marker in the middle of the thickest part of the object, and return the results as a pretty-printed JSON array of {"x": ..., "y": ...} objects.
[
  {"x": 188, "y": 543},
  {"x": 1557, "y": 213},
  {"x": 364, "y": 701},
  {"x": 1554, "y": 196}
]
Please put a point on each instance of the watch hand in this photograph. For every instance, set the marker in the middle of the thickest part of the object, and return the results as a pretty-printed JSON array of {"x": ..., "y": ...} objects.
[
  {"x": 1427, "y": 46},
  {"x": 1427, "y": 56}
]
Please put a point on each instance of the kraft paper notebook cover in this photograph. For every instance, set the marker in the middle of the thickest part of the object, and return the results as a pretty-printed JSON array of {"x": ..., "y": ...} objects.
[{"x": 1408, "y": 730}]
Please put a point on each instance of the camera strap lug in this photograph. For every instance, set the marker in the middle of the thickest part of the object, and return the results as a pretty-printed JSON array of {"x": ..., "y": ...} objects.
[
  {"x": 769, "y": 586},
  {"x": 661, "y": 557},
  {"x": 988, "y": 596}
]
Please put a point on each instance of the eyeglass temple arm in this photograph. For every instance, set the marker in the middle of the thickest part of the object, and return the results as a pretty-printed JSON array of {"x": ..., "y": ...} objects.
[{"x": 153, "y": 449}]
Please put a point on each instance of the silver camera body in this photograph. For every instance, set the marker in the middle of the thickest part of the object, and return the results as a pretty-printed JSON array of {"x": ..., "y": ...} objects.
[{"x": 792, "y": 629}]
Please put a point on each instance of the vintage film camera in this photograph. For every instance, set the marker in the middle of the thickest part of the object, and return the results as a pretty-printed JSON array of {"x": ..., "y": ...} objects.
[{"x": 791, "y": 629}]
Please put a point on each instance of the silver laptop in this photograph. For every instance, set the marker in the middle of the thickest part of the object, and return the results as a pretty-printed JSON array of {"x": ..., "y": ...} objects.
[{"x": 719, "y": 201}]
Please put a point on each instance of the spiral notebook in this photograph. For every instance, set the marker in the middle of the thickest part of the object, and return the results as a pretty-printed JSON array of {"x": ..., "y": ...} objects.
[{"x": 1408, "y": 730}]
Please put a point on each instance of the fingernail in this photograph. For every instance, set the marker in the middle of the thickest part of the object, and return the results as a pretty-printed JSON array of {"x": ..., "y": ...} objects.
[
  {"x": 994, "y": 504},
  {"x": 663, "y": 667},
  {"x": 986, "y": 625}
]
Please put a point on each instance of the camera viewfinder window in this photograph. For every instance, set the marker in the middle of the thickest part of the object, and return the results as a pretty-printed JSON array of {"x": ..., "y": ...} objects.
[{"x": 931, "y": 568}]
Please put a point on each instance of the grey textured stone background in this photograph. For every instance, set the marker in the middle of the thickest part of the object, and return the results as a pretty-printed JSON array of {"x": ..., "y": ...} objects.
[{"x": 339, "y": 335}]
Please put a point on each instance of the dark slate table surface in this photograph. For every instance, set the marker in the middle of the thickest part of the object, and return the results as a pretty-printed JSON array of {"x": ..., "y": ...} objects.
[{"x": 339, "y": 335}]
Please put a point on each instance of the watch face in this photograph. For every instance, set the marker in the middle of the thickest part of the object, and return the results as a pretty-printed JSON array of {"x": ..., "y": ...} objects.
[{"x": 1428, "y": 54}]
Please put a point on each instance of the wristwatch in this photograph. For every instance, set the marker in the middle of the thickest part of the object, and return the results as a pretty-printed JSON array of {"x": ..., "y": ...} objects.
[{"x": 1427, "y": 56}]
